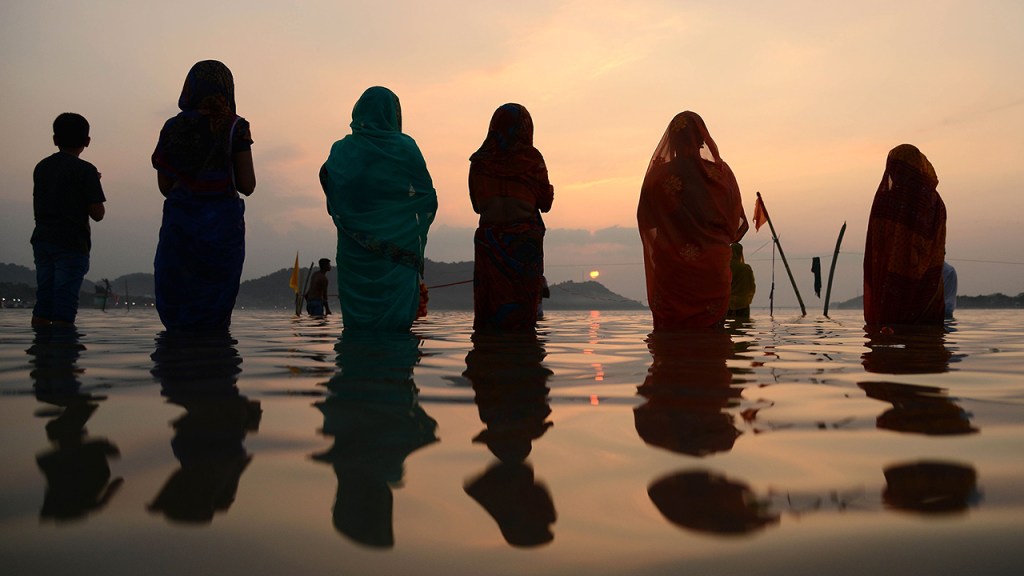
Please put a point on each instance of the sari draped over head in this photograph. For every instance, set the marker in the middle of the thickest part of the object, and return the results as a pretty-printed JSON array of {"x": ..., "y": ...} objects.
[
  {"x": 383, "y": 202},
  {"x": 906, "y": 244},
  {"x": 690, "y": 211},
  {"x": 198, "y": 264},
  {"x": 508, "y": 273}
]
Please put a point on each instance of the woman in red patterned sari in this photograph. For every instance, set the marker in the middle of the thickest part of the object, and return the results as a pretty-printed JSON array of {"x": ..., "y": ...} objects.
[
  {"x": 509, "y": 188},
  {"x": 906, "y": 244},
  {"x": 690, "y": 212}
]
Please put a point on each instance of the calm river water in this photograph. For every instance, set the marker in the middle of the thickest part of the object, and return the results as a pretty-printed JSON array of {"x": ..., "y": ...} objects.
[{"x": 780, "y": 446}]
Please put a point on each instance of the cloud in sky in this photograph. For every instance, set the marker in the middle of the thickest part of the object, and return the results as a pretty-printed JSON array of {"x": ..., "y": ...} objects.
[{"x": 804, "y": 99}]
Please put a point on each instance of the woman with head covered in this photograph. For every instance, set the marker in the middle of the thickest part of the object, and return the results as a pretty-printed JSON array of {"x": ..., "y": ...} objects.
[
  {"x": 690, "y": 211},
  {"x": 509, "y": 188},
  {"x": 203, "y": 161},
  {"x": 383, "y": 202},
  {"x": 906, "y": 244}
]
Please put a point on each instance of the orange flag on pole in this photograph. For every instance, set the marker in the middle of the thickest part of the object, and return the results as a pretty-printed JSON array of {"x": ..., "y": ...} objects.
[
  {"x": 293, "y": 282},
  {"x": 759, "y": 214}
]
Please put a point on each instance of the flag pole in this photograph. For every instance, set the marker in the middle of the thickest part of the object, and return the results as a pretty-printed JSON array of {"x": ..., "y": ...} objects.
[
  {"x": 293, "y": 283},
  {"x": 782, "y": 254},
  {"x": 305, "y": 287},
  {"x": 832, "y": 270}
]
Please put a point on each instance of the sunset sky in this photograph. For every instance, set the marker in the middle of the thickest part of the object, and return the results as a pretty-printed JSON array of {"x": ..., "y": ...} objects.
[{"x": 804, "y": 99}]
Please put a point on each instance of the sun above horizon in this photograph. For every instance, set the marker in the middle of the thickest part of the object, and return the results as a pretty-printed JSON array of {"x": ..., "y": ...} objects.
[{"x": 594, "y": 274}]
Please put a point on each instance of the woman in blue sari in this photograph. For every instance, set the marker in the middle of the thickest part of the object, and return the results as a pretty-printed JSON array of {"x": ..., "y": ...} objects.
[
  {"x": 383, "y": 202},
  {"x": 203, "y": 160}
]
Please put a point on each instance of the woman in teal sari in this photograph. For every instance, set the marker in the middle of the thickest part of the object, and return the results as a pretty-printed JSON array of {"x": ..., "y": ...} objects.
[{"x": 383, "y": 202}]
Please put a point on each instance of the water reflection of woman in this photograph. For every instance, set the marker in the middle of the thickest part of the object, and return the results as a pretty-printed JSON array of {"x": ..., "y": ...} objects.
[
  {"x": 199, "y": 372},
  {"x": 376, "y": 421},
  {"x": 78, "y": 477},
  {"x": 930, "y": 487},
  {"x": 915, "y": 408},
  {"x": 687, "y": 390},
  {"x": 708, "y": 502},
  {"x": 511, "y": 394}
]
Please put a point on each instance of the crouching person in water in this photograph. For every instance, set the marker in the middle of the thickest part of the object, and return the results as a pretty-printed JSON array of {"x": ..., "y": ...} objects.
[
  {"x": 316, "y": 296},
  {"x": 743, "y": 286}
]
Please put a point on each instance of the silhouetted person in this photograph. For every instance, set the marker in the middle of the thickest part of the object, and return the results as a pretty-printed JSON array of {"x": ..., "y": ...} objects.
[
  {"x": 906, "y": 244},
  {"x": 203, "y": 161},
  {"x": 690, "y": 211},
  {"x": 382, "y": 200},
  {"x": 316, "y": 297},
  {"x": 199, "y": 372},
  {"x": 949, "y": 288},
  {"x": 511, "y": 394},
  {"x": 743, "y": 285},
  {"x": 509, "y": 188},
  {"x": 78, "y": 477},
  {"x": 376, "y": 422},
  {"x": 66, "y": 193}
]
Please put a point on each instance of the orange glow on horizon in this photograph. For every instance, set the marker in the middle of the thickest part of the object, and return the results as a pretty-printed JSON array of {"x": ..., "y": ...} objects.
[{"x": 594, "y": 274}]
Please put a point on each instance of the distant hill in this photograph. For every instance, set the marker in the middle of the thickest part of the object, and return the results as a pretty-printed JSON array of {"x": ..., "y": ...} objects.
[
  {"x": 270, "y": 291},
  {"x": 588, "y": 295},
  {"x": 451, "y": 288},
  {"x": 996, "y": 301},
  {"x": 16, "y": 274}
]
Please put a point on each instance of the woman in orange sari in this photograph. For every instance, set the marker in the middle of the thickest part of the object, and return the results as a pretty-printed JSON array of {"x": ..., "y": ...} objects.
[
  {"x": 690, "y": 212},
  {"x": 906, "y": 244}
]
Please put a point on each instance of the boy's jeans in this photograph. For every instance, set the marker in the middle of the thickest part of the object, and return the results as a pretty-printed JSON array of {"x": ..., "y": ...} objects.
[{"x": 59, "y": 274}]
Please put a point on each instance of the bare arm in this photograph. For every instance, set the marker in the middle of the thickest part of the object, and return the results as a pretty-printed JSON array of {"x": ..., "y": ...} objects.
[
  {"x": 245, "y": 174},
  {"x": 97, "y": 211}
]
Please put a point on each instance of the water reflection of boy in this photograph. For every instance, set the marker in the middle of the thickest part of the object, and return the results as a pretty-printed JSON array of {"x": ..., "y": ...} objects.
[
  {"x": 199, "y": 372},
  {"x": 76, "y": 468},
  {"x": 511, "y": 394}
]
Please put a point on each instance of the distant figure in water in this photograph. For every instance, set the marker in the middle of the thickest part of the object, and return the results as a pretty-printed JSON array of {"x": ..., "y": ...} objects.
[
  {"x": 743, "y": 285},
  {"x": 203, "y": 161},
  {"x": 906, "y": 244},
  {"x": 66, "y": 193},
  {"x": 690, "y": 211},
  {"x": 949, "y": 288},
  {"x": 316, "y": 296},
  {"x": 509, "y": 188},
  {"x": 382, "y": 200}
]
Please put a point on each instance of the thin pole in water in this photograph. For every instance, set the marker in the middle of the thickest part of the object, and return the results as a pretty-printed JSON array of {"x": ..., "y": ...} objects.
[{"x": 832, "y": 270}]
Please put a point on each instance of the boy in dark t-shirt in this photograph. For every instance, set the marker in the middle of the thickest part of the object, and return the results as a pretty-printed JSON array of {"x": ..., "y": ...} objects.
[{"x": 66, "y": 193}]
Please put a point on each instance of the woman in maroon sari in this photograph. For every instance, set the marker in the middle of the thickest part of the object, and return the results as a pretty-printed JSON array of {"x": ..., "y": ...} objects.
[
  {"x": 509, "y": 188},
  {"x": 690, "y": 212},
  {"x": 906, "y": 244}
]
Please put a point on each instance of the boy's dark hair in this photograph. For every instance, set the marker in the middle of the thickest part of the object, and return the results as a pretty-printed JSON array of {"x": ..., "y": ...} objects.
[{"x": 70, "y": 130}]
